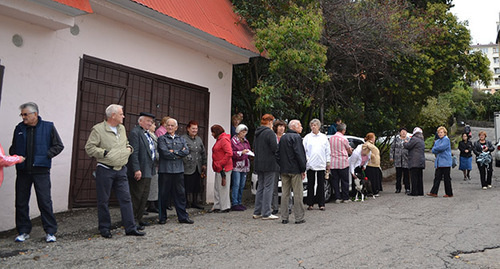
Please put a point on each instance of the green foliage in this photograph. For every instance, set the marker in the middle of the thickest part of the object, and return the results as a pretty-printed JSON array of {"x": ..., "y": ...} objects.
[
  {"x": 434, "y": 114},
  {"x": 297, "y": 62}
]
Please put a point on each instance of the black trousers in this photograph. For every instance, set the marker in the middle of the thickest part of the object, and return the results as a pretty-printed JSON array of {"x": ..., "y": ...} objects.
[
  {"x": 375, "y": 176},
  {"x": 405, "y": 174},
  {"x": 417, "y": 183},
  {"x": 485, "y": 178},
  {"x": 442, "y": 173},
  {"x": 340, "y": 178},
  {"x": 24, "y": 181},
  {"x": 139, "y": 192},
  {"x": 312, "y": 176},
  {"x": 172, "y": 185}
]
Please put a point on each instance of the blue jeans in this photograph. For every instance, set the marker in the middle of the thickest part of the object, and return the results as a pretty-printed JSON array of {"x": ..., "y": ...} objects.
[{"x": 238, "y": 180}]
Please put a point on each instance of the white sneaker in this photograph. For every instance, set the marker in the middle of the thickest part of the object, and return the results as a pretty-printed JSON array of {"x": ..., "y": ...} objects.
[
  {"x": 270, "y": 217},
  {"x": 257, "y": 216},
  {"x": 337, "y": 201},
  {"x": 49, "y": 238},
  {"x": 22, "y": 237},
  {"x": 485, "y": 188},
  {"x": 489, "y": 186}
]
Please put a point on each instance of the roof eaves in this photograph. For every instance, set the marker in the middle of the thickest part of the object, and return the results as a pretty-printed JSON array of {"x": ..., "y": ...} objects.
[
  {"x": 182, "y": 26},
  {"x": 66, "y": 9}
]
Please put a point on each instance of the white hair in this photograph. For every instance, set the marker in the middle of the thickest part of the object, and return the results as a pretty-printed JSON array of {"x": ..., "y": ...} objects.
[
  {"x": 32, "y": 106},
  {"x": 293, "y": 124},
  {"x": 113, "y": 108},
  {"x": 241, "y": 127},
  {"x": 172, "y": 119}
]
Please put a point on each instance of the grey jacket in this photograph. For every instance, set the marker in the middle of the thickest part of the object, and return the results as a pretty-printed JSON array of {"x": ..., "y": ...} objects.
[
  {"x": 142, "y": 158},
  {"x": 171, "y": 162},
  {"x": 416, "y": 151},
  {"x": 398, "y": 152},
  {"x": 197, "y": 156}
]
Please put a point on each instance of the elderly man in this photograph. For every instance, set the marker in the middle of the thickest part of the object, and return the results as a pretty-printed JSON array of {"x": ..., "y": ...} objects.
[
  {"x": 38, "y": 141},
  {"x": 318, "y": 161},
  {"x": 340, "y": 150},
  {"x": 172, "y": 149},
  {"x": 109, "y": 145},
  {"x": 141, "y": 166},
  {"x": 292, "y": 161}
]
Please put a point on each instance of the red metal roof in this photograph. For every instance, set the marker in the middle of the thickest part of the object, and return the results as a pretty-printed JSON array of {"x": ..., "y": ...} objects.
[
  {"x": 215, "y": 17},
  {"x": 83, "y": 5}
]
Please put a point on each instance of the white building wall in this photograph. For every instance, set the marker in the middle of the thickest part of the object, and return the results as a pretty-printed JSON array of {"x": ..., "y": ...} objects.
[
  {"x": 492, "y": 53},
  {"x": 45, "y": 70}
]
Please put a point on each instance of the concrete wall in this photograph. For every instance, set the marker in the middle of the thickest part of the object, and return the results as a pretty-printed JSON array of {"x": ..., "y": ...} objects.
[{"x": 45, "y": 70}]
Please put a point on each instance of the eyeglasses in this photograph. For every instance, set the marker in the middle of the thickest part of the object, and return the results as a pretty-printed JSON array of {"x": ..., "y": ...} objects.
[{"x": 25, "y": 114}]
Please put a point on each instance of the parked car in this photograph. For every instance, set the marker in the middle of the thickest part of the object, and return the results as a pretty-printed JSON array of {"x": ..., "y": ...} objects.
[
  {"x": 354, "y": 141},
  {"x": 497, "y": 155}
]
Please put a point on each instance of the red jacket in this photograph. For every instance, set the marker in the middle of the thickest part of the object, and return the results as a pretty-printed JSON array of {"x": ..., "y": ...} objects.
[
  {"x": 222, "y": 154},
  {"x": 7, "y": 161}
]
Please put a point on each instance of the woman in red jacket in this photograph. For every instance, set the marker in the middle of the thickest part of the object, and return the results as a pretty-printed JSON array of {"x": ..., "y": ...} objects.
[{"x": 222, "y": 164}]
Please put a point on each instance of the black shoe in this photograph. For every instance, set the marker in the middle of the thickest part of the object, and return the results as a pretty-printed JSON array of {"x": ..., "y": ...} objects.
[
  {"x": 135, "y": 232},
  {"x": 275, "y": 212},
  {"x": 169, "y": 208},
  {"x": 407, "y": 192},
  {"x": 162, "y": 221},
  {"x": 187, "y": 221},
  {"x": 197, "y": 206},
  {"x": 398, "y": 190},
  {"x": 152, "y": 210},
  {"x": 300, "y": 221},
  {"x": 225, "y": 210},
  {"x": 284, "y": 221},
  {"x": 144, "y": 224},
  {"x": 145, "y": 213},
  {"x": 106, "y": 234},
  {"x": 140, "y": 227},
  {"x": 214, "y": 210}
]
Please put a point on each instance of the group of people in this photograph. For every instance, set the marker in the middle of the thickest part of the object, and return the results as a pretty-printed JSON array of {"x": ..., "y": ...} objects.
[{"x": 155, "y": 167}]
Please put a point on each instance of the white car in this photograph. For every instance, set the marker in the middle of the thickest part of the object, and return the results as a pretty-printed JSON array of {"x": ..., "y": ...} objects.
[
  {"x": 354, "y": 141},
  {"x": 497, "y": 155}
]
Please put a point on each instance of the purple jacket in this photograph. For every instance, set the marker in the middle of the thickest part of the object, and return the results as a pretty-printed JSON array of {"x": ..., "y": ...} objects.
[{"x": 241, "y": 163}]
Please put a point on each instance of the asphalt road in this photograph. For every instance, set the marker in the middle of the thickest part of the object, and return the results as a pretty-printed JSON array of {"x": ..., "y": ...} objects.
[{"x": 391, "y": 231}]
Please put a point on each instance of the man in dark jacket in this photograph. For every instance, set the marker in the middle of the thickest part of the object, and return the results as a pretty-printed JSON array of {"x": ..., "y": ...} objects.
[
  {"x": 141, "y": 166},
  {"x": 292, "y": 162},
  {"x": 39, "y": 142},
  {"x": 266, "y": 167}
]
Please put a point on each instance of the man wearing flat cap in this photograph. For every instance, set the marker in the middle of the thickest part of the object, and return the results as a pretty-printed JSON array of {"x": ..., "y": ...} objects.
[{"x": 141, "y": 166}]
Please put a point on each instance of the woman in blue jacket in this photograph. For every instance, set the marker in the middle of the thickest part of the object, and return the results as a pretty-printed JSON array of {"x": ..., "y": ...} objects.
[{"x": 442, "y": 150}]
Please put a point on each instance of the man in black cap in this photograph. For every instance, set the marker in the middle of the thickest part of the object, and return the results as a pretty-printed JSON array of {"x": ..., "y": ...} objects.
[{"x": 141, "y": 166}]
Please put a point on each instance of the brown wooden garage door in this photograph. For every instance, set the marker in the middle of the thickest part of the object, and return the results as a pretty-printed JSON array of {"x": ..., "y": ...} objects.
[{"x": 103, "y": 83}]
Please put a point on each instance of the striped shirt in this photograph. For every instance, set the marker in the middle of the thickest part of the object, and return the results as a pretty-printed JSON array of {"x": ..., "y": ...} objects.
[{"x": 338, "y": 148}]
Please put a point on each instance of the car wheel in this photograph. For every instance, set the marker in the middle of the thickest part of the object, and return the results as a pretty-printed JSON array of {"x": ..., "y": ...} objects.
[{"x": 328, "y": 191}]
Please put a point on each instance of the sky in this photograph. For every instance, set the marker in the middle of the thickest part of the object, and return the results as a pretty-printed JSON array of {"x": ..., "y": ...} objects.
[{"x": 482, "y": 16}]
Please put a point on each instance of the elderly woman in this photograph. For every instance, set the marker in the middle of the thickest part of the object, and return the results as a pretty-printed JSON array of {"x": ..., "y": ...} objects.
[
  {"x": 465, "y": 147},
  {"x": 222, "y": 164},
  {"x": 416, "y": 161},
  {"x": 195, "y": 164},
  {"x": 279, "y": 128},
  {"x": 483, "y": 148},
  {"x": 317, "y": 150},
  {"x": 442, "y": 151},
  {"x": 399, "y": 156},
  {"x": 163, "y": 127},
  {"x": 373, "y": 170},
  {"x": 241, "y": 166}
]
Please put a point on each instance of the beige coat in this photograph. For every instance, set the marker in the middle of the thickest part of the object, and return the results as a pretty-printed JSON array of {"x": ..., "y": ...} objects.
[
  {"x": 102, "y": 139},
  {"x": 375, "y": 154}
]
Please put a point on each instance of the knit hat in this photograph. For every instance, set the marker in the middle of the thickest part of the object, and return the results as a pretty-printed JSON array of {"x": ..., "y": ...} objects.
[{"x": 417, "y": 130}]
